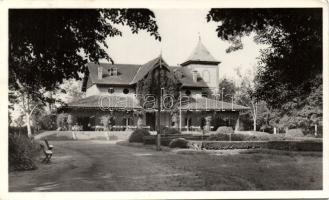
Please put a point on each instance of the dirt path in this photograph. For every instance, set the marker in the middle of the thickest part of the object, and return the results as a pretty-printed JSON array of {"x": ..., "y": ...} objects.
[{"x": 105, "y": 166}]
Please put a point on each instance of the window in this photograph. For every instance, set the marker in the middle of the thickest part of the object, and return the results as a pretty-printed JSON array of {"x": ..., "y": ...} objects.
[
  {"x": 111, "y": 90},
  {"x": 125, "y": 91},
  {"x": 113, "y": 71}
]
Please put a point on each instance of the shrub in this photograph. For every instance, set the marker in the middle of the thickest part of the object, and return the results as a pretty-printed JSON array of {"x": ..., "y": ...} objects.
[
  {"x": 20, "y": 130},
  {"x": 224, "y": 129},
  {"x": 178, "y": 143},
  {"x": 294, "y": 133},
  {"x": 296, "y": 145},
  {"x": 170, "y": 131},
  {"x": 22, "y": 152},
  {"x": 219, "y": 137},
  {"x": 217, "y": 145},
  {"x": 48, "y": 122},
  {"x": 138, "y": 135}
]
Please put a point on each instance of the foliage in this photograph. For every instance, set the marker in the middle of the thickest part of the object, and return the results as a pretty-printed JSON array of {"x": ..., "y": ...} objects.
[
  {"x": 138, "y": 135},
  {"x": 22, "y": 152},
  {"x": 20, "y": 130},
  {"x": 48, "y": 122},
  {"x": 296, "y": 132},
  {"x": 244, "y": 137},
  {"x": 61, "y": 121},
  {"x": 170, "y": 131},
  {"x": 57, "y": 43},
  {"x": 224, "y": 129},
  {"x": 178, "y": 143},
  {"x": 149, "y": 86},
  {"x": 294, "y": 58},
  {"x": 217, "y": 145},
  {"x": 229, "y": 89}
]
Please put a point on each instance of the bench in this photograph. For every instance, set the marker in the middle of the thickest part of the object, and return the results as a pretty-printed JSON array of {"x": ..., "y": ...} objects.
[
  {"x": 49, "y": 146},
  {"x": 48, "y": 153}
]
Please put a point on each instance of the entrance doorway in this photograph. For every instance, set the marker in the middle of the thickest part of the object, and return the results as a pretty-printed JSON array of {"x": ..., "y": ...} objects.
[{"x": 150, "y": 120}]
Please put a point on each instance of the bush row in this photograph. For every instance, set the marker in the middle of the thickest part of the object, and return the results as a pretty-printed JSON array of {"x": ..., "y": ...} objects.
[
  {"x": 22, "y": 152},
  {"x": 243, "y": 137},
  {"x": 217, "y": 145},
  {"x": 278, "y": 145}
]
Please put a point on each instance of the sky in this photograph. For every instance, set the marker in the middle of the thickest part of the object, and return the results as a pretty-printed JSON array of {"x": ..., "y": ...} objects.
[{"x": 180, "y": 30}]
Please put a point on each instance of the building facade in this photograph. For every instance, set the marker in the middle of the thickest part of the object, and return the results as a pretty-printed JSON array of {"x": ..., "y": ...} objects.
[{"x": 112, "y": 100}]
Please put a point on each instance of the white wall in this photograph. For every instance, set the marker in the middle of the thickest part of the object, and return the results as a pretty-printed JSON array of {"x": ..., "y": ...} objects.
[
  {"x": 209, "y": 73},
  {"x": 103, "y": 90}
]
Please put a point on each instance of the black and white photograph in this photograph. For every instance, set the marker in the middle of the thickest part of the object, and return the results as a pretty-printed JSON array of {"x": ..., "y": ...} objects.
[{"x": 150, "y": 99}]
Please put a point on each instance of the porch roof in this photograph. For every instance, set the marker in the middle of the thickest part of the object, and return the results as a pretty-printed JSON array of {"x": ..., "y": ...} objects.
[
  {"x": 202, "y": 103},
  {"x": 106, "y": 102}
]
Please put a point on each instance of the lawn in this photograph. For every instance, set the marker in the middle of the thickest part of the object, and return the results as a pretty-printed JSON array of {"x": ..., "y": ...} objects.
[{"x": 106, "y": 166}]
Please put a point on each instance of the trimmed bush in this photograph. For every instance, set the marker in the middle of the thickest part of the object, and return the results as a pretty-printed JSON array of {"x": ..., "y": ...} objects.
[
  {"x": 170, "y": 131},
  {"x": 217, "y": 145},
  {"x": 297, "y": 132},
  {"x": 178, "y": 143},
  {"x": 296, "y": 145},
  {"x": 22, "y": 152},
  {"x": 138, "y": 135},
  {"x": 224, "y": 129},
  {"x": 219, "y": 137}
]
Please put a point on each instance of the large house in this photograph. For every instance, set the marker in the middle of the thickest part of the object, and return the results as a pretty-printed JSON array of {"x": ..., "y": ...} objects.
[{"x": 111, "y": 90}]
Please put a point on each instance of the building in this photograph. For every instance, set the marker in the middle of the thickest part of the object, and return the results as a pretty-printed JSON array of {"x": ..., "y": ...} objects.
[{"x": 111, "y": 94}]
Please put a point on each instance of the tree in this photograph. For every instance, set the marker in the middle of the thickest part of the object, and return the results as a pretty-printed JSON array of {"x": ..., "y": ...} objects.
[
  {"x": 57, "y": 43},
  {"x": 294, "y": 59},
  {"x": 229, "y": 89},
  {"x": 47, "y": 46}
]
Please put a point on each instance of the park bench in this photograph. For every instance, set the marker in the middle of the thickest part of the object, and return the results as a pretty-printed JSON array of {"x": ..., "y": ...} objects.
[
  {"x": 49, "y": 146},
  {"x": 48, "y": 153}
]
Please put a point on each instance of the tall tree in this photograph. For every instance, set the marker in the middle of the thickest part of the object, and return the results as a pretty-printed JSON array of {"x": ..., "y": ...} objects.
[
  {"x": 47, "y": 46},
  {"x": 229, "y": 89},
  {"x": 294, "y": 59}
]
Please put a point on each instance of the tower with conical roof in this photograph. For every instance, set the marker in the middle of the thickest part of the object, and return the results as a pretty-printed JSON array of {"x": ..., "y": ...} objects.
[{"x": 204, "y": 64}]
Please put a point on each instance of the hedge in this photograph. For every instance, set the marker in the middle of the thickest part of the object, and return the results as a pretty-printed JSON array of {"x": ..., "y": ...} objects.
[
  {"x": 296, "y": 145},
  {"x": 22, "y": 152},
  {"x": 178, "y": 143},
  {"x": 278, "y": 145},
  {"x": 217, "y": 145},
  {"x": 138, "y": 135}
]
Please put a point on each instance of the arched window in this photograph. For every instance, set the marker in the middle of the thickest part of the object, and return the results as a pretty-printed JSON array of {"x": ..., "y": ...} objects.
[{"x": 206, "y": 76}]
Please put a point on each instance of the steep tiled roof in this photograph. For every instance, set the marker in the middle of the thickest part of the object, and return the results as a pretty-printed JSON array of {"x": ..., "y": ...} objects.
[
  {"x": 106, "y": 102},
  {"x": 126, "y": 73},
  {"x": 147, "y": 67},
  {"x": 203, "y": 103},
  {"x": 185, "y": 77},
  {"x": 200, "y": 54},
  {"x": 130, "y": 74}
]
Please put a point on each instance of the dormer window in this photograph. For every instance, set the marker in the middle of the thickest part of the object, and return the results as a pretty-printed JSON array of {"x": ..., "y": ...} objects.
[{"x": 113, "y": 71}]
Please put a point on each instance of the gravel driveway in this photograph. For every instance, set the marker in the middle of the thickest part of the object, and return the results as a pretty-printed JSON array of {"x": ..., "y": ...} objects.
[{"x": 105, "y": 166}]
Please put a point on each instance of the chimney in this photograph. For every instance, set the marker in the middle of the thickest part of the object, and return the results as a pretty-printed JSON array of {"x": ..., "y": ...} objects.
[
  {"x": 100, "y": 72},
  {"x": 195, "y": 76}
]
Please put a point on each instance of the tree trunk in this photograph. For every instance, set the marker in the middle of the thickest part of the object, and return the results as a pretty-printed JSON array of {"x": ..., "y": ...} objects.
[
  {"x": 28, "y": 124},
  {"x": 255, "y": 124}
]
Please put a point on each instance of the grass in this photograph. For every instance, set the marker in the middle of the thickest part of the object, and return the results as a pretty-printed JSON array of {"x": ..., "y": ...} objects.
[{"x": 104, "y": 166}]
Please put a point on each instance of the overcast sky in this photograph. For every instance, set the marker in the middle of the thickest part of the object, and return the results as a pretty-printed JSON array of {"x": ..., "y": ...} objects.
[{"x": 179, "y": 30}]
